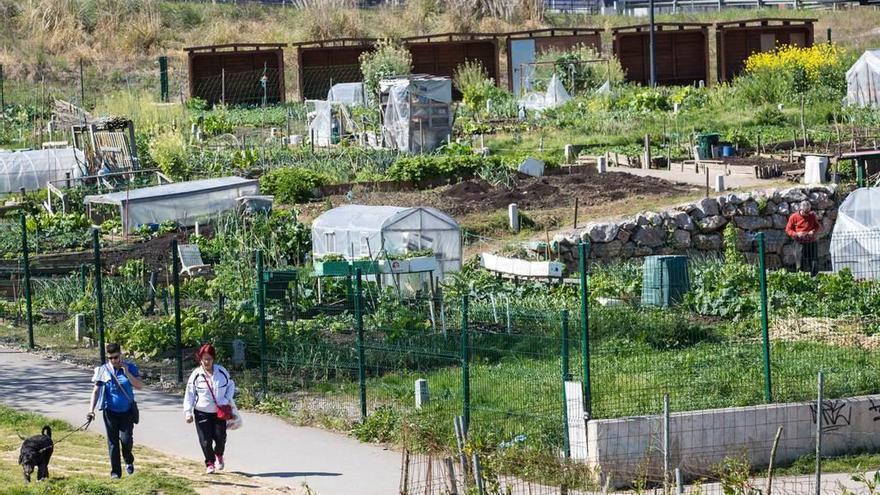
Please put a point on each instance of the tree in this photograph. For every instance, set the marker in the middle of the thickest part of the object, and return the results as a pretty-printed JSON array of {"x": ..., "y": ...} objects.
[{"x": 386, "y": 60}]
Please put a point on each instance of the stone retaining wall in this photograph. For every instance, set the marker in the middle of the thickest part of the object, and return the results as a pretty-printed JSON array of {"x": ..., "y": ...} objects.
[{"x": 698, "y": 227}]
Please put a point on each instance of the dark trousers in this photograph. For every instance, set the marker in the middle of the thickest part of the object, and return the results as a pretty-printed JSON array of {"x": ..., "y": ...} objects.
[
  {"x": 810, "y": 258},
  {"x": 212, "y": 435},
  {"x": 120, "y": 432}
]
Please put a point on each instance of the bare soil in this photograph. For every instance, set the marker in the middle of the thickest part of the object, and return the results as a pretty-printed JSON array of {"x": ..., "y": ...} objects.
[{"x": 533, "y": 193}]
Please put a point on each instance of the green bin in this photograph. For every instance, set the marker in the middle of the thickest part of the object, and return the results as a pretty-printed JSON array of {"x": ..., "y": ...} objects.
[
  {"x": 665, "y": 280},
  {"x": 705, "y": 143}
]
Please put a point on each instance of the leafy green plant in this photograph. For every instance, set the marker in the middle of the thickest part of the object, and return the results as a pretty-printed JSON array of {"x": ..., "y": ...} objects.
[
  {"x": 168, "y": 151},
  {"x": 291, "y": 184},
  {"x": 454, "y": 166},
  {"x": 381, "y": 426}
]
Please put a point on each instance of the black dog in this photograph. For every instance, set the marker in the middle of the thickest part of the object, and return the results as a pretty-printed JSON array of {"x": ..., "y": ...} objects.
[{"x": 35, "y": 454}]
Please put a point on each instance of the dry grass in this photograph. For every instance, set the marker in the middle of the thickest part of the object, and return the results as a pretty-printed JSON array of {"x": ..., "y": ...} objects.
[{"x": 47, "y": 38}]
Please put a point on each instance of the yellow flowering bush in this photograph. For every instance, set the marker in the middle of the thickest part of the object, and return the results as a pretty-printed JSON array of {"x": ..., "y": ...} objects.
[
  {"x": 789, "y": 72},
  {"x": 816, "y": 60}
]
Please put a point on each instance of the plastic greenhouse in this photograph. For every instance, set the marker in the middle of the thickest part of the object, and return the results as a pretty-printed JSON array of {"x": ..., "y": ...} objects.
[
  {"x": 855, "y": 242},
  {"x": 554, "y": 96},
  {"x": 863, "y": 80},
  {"x": 182, "y": 202},
  {"x": 377, "y": 232},
  {"x": 416, "y": 112},
  {"x": 347, "y": 93},
  {"x": 33, "y": 170}
]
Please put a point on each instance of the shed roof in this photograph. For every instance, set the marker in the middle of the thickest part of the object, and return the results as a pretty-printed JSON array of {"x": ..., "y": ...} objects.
[
  {"x": 188, "y": 188},
  {"x": 763, "y": 21},
  {"x": 236, "y": 47},
  {"x": 659, "y": 26},
  {"x": 373, "y": 218}
]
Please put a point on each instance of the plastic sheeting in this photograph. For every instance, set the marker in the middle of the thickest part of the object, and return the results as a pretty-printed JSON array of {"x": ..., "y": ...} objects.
[
  {"x": 554, "y": 96},
  {"x": 409, "y": 122},
  {"x": 33, "y": 170},
  {"x": 863, "y": 80},
  {"x": 358, "y": 231},
  {"x": 855, "y": 242},
  {"x": 321, "y": 123},
  {"x": 182, "y": 202},
  {"x": 347, "y": 93}
]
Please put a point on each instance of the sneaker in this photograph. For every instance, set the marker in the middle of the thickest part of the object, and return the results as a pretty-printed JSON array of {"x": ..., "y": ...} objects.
[
  {"x": 220, "y": 465},
  {"x": 210, "y": 468},
  {"x": 114, "y": 476},
  {"x": 129, "y": 468}
]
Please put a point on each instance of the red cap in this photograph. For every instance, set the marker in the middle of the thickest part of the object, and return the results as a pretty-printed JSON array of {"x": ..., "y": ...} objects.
[{"x": 206, "y": 349}]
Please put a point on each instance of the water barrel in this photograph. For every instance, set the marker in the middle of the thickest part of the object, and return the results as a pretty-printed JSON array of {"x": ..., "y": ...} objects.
[
  {"x": 727, "y": 150},
  {"x": 665, "y": 280}
]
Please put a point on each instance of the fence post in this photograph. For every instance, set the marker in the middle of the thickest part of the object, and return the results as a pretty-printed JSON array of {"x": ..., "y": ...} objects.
[
  {"x": 261, "y": 309},
  {"x": 163, "y": 78},
  {"x": 175, "y": 279},
  {"x": 765, "y": 331},
  {"x": 99, "y": 292},
  {"x": 82, "y": 92},
  {"x": 26, "y": 267},
  {"x": 821, "y": 387},
  {"x": 860, "y": 173},
  {"x": 566, "y": 376},
  {"x": 359, "y": 321},
  {"x": 2, "y": 96},
  {"x": 583, "y": 252},
  {"x": 465, "y": 366}
]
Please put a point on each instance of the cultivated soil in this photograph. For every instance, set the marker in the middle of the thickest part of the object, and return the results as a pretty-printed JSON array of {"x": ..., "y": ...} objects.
[{"x": 531, "y": 193}]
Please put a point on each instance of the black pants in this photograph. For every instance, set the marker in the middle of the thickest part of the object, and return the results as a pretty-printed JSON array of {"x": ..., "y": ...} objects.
[
  {"x": 120, "y": 432},
  {"x": 212, "y": 435},
  {"x": 810, "y": 258}
]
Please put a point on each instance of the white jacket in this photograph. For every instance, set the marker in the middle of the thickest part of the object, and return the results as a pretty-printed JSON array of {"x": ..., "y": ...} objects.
[{"x": 198, "y": 396}]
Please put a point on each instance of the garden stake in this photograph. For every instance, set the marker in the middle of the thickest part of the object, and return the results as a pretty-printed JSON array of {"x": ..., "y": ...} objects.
[{"x": 26, "y": 268}]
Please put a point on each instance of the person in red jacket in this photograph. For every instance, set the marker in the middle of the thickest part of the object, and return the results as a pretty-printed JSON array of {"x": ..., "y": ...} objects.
[{"x": 804, "y": 228}]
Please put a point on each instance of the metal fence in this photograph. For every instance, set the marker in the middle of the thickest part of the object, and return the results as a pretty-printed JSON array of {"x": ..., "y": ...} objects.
[{"x": 549, "y": 400}]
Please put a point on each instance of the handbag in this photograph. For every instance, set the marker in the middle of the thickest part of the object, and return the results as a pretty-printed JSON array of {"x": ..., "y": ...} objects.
[
  {"x": 224, "y": 413},
  {"x": 134, "y": 411}
]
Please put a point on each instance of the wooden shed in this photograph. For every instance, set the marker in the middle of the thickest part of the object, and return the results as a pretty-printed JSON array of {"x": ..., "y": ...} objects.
[
  {"x": 321, "y": 64},
  {"x": 681, "y": 57},
  {"x": 235, "y": 73},
  {"x": 523, "y": 47},
  {"x": 736, "y": 40},
  {"x": 441, "y": 54}
]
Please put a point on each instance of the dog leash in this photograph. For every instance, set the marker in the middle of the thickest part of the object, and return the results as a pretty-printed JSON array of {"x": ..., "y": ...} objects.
[{"x": 83, "y": 427}]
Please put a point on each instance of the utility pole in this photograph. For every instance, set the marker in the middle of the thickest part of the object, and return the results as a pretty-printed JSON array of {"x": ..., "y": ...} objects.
[{"x": 652, "y": 45}]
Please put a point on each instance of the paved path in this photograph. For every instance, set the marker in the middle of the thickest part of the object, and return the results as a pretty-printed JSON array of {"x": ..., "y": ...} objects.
[
  {"x": 265, "y": 447},
  {"x": 690, "y": 177}
]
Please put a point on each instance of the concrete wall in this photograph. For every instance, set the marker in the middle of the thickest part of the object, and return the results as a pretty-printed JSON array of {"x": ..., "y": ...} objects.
[
  {"x": 626, "y": 448},
  {"x": 697, "y": 227}
]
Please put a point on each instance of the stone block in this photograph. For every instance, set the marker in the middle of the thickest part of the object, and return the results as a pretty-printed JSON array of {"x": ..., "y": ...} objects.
[
  {"x": 794, "y": 194},
  {"x": 783, "y": 208},
  {"x": 606, "y": 250},
  {"x": 712, "y": 223},
  {"x": 774, "y": 240},
  {"x": 707, "y": 206},
  {"x": 707, "y": 242},
  {"x": 681, "y": 239},
  {"x": 779, "y": 221},
  {"x": 603, "y": 232},
  {"x": 650, "y": 236},
  {"x": 728, "y": 210},
  {"x": 750, "y": 208},
  {"x": 753, "y": 223}
]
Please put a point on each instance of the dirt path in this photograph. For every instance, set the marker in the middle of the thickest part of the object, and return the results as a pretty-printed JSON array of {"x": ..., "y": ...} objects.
[{"x": 265, "y": 449}]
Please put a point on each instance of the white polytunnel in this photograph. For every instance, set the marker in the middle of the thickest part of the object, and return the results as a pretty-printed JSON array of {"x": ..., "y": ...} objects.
[
  {"x": 359, "y": 231},
  {"x": 863, "y": 80},
  {"x": 182, "y": 202},
  {"x": 347, "y": 93},
  {"x": 33, "y": 170},
  {"x": 855, "y": 241}
]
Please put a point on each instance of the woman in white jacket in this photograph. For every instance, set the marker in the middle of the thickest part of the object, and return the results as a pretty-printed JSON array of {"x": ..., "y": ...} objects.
[{"x": 209, "y": 387}]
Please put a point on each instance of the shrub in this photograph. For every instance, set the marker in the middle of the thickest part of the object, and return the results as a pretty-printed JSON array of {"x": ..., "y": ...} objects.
[
  {"x": 453, "y": 167},
  {"x": 168, "y": 151},
  {"x": 291, "y": 184},
  {"x": 386, "y": 60},
  {"x": 789, "y": 72},
  {"x": 474, "y": 83}
]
